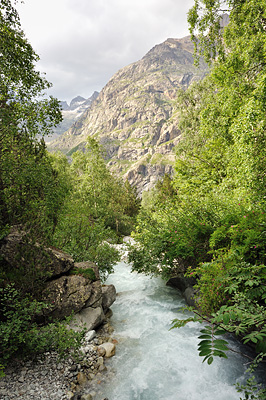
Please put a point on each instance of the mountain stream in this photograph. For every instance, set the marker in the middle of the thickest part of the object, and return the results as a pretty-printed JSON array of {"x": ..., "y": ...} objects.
[{"x": 153, "y": 362}]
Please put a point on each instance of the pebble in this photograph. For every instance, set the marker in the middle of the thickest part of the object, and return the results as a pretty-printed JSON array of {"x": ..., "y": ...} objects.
[{"x": 51, "y": 378}]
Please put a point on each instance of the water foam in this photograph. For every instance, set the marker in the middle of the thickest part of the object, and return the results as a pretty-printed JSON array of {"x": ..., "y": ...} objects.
[{"x": 153, "y": 363}]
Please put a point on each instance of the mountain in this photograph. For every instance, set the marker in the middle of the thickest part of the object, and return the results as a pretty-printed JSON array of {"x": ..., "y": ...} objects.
[
  {"x": 71, "y": 113},
  {"x": 135, "y": 116}
]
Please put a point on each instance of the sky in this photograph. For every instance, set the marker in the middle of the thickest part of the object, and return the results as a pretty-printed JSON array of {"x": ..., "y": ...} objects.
[{"x": 83, "y": 43}]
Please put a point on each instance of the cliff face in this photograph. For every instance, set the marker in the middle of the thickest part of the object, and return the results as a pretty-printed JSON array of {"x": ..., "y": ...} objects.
[{"x": 135, "y": 117}]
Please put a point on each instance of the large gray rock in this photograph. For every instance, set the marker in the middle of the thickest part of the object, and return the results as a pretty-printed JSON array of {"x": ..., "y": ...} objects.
[
  {"x": 66, "y": 295},
  {"x": 95, "y": 299},
  {"x": 108, "y": 296},
  {"x": 185, "y": 285},
  {"x": 20, "y": 251},
  {"x": 65, "y": 286},
  {"x": 88, "y": 318}
]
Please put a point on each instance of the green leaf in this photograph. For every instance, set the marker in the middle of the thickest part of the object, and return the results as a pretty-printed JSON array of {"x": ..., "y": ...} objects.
[
  {"x": 218, "y": 353},
  {"x": 220, "y": 342},
  {"x": 204, "y": 343},
  {"x": 204, "y": 336},
  {"x": 210, "y": 360},
  {"x": 205, "y": 352},
  {"x": 226, "y": 318},
  {"x": 219, "y": 331},
  {"x": 221, "y": 347}
]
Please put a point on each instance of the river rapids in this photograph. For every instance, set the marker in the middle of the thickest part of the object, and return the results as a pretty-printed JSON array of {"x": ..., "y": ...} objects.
[{"x": 153, "y": 362}]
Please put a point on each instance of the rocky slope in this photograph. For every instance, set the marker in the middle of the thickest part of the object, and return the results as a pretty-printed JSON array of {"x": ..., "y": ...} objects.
[{"x": 135, "y": 116}]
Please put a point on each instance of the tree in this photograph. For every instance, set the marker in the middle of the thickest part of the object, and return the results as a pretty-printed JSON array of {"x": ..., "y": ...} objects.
[
  {"x": 99, "y": 208},
  {"x": 25, "y": 114}
]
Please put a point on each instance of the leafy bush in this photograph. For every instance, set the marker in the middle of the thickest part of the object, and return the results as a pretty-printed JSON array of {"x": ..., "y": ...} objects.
[
  {"x": 20, "y": 335},
  {"x": 87, "y": 273},
  {"x": 106, "y": 256}
]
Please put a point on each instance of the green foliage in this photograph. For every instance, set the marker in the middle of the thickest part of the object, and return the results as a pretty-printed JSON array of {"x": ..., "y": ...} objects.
[
  {"x": 210, "y": 346},
  {"x": 98, "y": 208},
  {"x": 28, "y": 184},
  {"x": 87, "y": 273},
  {"x": 105, "y": 257},
  {"x": 251, "y": 389},
  {"x": 21, "y": 336}
]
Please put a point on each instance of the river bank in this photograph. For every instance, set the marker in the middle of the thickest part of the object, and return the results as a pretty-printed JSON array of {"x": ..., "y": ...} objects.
[{"x": 49, "y": 377}]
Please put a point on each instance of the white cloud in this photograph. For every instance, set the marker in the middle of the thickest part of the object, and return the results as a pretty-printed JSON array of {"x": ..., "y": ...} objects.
[{"x": 82, "y": 43}]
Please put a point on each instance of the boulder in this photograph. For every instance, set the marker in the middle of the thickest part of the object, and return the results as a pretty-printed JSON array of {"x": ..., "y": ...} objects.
[
  {"x": 66, "y": 294},
  {"x": 109, "y": 349},
  {"x": 82, "y": 379},
  {"x": 189, "y": 296},
  {"x": 95, "y": 299},
  {"x": 89, "y": 318},
  {"x": 21, "y": 252},
  {"x": 185, "y": 285},
  {"x": 108, "y": 296},
  {"x": 66, "y": 287},
  {"x": 180, "y": 282},
  {"x": 86, "y": 396}
]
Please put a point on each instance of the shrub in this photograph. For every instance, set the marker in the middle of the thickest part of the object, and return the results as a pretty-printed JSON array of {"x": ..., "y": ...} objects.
[{"x": 20, "y": 335}]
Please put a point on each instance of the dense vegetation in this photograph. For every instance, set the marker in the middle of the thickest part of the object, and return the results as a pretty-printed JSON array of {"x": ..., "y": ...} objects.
[
  {"x": 209, "y": 220},
  {"x": 79, "y": 206},
  {"x": 99, "y": 208}
]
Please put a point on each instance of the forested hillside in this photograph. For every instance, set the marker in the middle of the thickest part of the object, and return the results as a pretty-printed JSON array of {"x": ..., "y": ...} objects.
[{"x": 209, "y": 220}]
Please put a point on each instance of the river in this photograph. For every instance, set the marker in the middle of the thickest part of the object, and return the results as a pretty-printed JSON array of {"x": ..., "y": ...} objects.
[{"x": 153, "y": 362}]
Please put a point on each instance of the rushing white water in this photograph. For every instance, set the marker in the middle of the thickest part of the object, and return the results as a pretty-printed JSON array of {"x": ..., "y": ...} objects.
[{"x": 153, "y": 363}]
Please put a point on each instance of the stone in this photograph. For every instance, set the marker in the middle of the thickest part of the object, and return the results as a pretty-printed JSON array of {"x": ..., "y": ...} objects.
[
  {"x": 102, "y": 368},
  {"x": 20, "y": 251},
  {"x": 91, "y": 376},
  {"x": 180, "y": 282},
  {"x": 86, "y": 397},
  {"x": 90, "y": 335},
  {"x": 109, "y": 349},
  {"x": 90, "y": 318},
  {"x": 66, "y": 294},
  {"x": 81, "y": 379},
  {"x": 95, "y": 299},
  {"x": 101, "y": 351},
  {"x": 108, "y": 296},
  {"x": 189, "y": 296},
  {"x": 100, "y": 361}
]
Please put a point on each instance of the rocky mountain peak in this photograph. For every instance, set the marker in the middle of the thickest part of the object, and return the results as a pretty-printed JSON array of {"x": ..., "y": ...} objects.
[
  {"x": 71, "y": 113},
  {"x": 76, "y": 102},
  {"x": 135, "y": 116}
]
